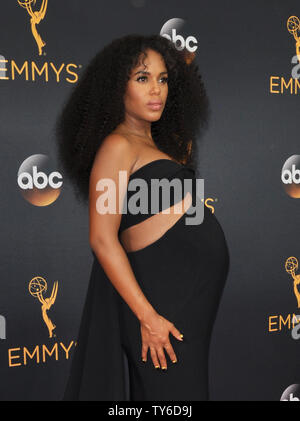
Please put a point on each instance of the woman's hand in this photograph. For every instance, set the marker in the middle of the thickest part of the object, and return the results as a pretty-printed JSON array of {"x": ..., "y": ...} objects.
[{"x": 155, "y": 335}]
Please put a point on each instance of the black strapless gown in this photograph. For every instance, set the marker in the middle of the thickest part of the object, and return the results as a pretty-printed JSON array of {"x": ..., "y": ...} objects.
[{"x": 182, "y": 274}]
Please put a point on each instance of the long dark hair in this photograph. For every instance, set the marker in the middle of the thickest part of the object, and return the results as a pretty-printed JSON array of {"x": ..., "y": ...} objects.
[{"x": 95, "y": 107}]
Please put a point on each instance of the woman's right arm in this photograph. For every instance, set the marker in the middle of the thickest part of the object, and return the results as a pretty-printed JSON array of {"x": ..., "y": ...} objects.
[{"x": 116, "y": 154}]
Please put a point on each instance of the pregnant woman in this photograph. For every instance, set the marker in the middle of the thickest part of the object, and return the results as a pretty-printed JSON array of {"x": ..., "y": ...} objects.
[{"x": 156, "y": 279}]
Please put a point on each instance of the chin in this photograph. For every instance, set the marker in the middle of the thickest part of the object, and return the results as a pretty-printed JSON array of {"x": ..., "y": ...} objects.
[{"x": 155, "y": 117}]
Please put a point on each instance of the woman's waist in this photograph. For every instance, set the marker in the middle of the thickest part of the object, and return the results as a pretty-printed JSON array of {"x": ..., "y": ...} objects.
[
  {"x": 140, "y": 207},
  {"x": 139, "y": 229}
]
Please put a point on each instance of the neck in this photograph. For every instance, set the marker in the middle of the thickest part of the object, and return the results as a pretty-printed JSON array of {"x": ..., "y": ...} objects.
[{"x": 139, "y": 128}]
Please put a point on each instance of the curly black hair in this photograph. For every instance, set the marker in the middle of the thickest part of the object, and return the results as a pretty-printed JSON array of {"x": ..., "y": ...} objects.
[{"x": 95, "y": 107}]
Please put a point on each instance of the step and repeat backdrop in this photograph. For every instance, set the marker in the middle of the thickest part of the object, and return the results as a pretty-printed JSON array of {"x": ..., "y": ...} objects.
[{"x": 249, "y": 55}]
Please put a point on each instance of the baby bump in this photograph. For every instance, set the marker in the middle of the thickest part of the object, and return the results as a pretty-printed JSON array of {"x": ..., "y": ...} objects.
[{"x": 185, "y": 260}]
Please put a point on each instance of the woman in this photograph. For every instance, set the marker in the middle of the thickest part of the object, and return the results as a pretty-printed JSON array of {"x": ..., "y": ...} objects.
[{"x": 156, "y": 281}]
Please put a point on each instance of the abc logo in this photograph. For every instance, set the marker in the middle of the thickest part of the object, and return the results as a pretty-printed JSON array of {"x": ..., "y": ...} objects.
[
  {"x": 28, "y": 181},
  {"x": 190, "y": 43},
  {"x": 170, "y": 30},
  {"x": 2, "y": 327},
  {"x": 39, "y": 185},
  {"x": 290, "y": 176},
  {"x": 291, "y": 393}
]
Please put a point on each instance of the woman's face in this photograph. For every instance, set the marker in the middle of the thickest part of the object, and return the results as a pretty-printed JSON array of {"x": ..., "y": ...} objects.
[{"x": 147, "y": 89}]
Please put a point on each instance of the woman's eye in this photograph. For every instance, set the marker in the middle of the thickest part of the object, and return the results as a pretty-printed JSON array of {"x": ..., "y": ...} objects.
[{"x": 165, "y": 79}]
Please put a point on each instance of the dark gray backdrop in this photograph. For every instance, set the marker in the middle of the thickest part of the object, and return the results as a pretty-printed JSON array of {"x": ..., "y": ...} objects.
[{"x": 251, "y": 134}]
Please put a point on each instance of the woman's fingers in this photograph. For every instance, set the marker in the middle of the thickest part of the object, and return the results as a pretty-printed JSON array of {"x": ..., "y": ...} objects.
[
  {"x": 171, "y": 352},
  {"x": 160, "y": 355},
  {"x": 162, "y": 358},
  {"x": 175, "y": 332},
  {"x": 157, "y": 340},
  {"x": 154, "y": 357},
  {"x": 144, "y": 352}
]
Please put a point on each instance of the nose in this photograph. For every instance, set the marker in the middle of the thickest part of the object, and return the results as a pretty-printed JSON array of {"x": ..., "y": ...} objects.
[{"x": 155, "y": 87}]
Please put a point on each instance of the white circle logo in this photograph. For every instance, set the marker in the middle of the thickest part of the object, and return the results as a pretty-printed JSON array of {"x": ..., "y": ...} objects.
[
  {"x": 290, "y": 176},
  {"x": 173, "y": 30},
  {"x": 292, "y": 393},
  {"x": 39, "y": 184}
]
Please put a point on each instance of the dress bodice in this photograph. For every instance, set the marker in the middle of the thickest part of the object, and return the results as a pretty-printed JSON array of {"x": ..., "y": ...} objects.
[{"x": 146, "y": 184}]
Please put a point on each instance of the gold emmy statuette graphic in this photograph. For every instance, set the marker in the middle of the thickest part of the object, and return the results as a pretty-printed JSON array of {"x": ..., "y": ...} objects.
[
  {"x": 293, "y": 26},
  {"x": 35, "y": 17},
  {"x": 38, "y": 286},
  {"x": 291, "y": 265}
]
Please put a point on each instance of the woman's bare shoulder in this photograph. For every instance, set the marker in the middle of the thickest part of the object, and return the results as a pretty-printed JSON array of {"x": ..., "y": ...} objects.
[
  {"x": 118, "y": 140},
  {"x": 116, "y": 147}
]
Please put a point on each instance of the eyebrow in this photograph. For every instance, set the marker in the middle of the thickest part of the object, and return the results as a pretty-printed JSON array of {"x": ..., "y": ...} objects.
[{"x": 148, "y": 73}]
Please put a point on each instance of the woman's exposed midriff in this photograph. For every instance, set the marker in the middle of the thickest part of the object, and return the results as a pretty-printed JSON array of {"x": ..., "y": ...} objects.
[{"x": 147, "y": 232}]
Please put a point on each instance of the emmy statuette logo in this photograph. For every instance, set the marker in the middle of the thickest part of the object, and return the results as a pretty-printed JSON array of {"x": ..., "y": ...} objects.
[
  {"x": 35, "y": 18},
  {"x": 293, "y": 26},
  {"x": 291, "y": 265},
  {"x": 38, "y": 286},
  {"x": 290, "y": 321},
  {"x": 281, "y": 84}
]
